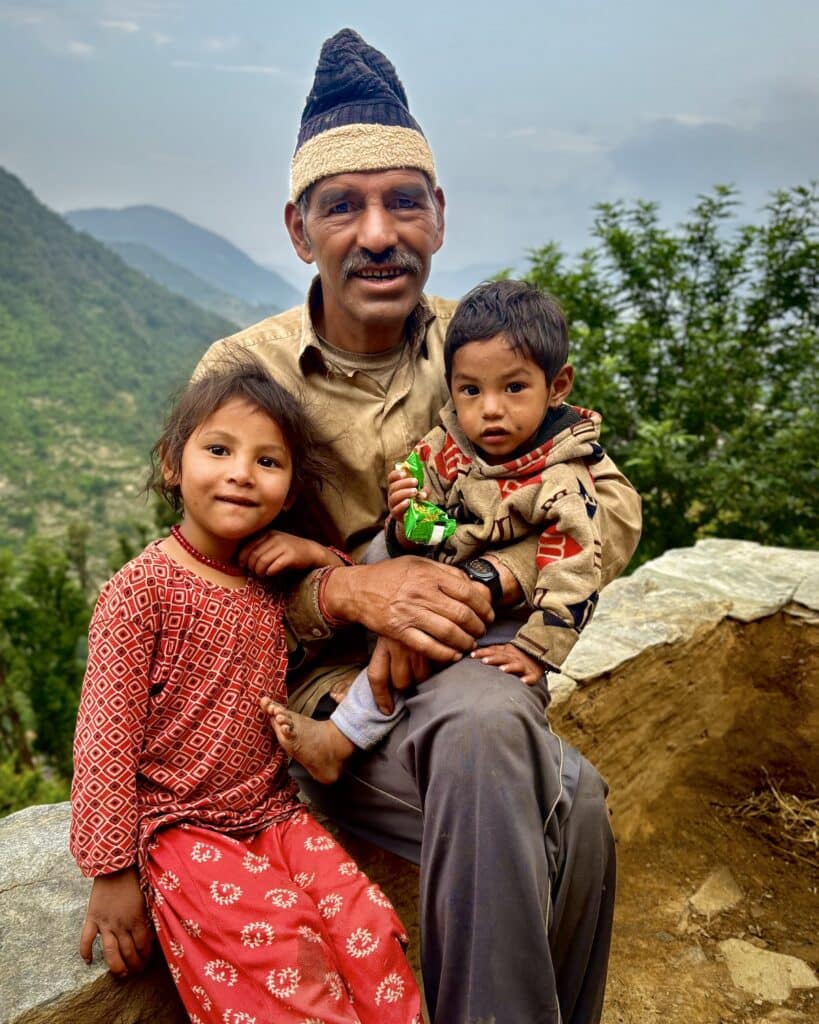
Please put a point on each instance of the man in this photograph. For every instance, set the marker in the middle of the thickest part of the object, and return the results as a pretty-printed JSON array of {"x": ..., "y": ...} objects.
[{"x": 508, "y": 823}]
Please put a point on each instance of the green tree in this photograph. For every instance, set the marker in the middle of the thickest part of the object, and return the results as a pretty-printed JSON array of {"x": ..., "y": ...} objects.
[{"x": 699, "y": 346}]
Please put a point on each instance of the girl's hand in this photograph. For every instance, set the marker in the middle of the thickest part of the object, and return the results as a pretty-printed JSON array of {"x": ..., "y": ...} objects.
[
  {"x": 401, "y": 489},
  {"x": 511, "y": 659},
  {"x": 276, "y": 551},
  {"x": 117, "y": 912}
]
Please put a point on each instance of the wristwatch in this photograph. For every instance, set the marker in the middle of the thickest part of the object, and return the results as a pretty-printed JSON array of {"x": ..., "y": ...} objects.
[{"x": 482, "y": 571}]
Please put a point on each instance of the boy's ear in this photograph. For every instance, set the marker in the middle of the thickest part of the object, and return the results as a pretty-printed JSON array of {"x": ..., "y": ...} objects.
[{"x": 561, "y": 385}]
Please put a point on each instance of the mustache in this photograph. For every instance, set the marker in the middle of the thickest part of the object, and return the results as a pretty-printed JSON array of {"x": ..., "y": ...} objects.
[{"x": 395, "y": 256}]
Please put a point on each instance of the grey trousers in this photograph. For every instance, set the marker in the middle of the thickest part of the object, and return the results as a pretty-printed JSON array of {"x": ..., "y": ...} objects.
[{"x": 511, "y": 830}]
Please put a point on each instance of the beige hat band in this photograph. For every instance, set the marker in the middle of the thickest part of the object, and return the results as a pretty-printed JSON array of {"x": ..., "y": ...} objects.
[{"x": 359, "y": 147}]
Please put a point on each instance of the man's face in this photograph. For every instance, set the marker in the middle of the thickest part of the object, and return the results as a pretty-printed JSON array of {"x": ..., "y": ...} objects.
[{"x": 371, "y": 236}]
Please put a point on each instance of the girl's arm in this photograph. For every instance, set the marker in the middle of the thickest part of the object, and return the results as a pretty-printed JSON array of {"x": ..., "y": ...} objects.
[
  {"x": 117, "y": 913},
  {"x": 276, "y": 551}
]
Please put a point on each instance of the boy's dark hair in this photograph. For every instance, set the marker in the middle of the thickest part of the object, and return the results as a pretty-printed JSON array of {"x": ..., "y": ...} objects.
[
  {"x": 237, "y": 375},
  {"x": 531, "y": 321}
]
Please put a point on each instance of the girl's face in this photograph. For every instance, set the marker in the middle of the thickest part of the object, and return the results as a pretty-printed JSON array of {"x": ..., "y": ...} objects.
[{"x": 235, "y": 478}]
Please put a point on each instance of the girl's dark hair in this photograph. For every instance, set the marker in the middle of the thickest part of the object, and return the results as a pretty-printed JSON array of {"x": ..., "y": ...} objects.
[
  {"x": 237, "y": 374},
  {"x": 531, "y": 321}
]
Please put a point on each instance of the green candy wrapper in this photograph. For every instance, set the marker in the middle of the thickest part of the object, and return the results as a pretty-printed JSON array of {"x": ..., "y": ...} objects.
[{"x": 424, "y": 523}]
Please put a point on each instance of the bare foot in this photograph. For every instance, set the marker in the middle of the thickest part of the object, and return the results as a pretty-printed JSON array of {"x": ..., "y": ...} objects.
[{"x": 318, "y": 746}]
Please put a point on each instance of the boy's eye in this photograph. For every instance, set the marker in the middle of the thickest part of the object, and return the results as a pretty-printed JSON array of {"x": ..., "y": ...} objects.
[
  {"x": 515, "y": 387},
  {"x": 470, "y": 389}
]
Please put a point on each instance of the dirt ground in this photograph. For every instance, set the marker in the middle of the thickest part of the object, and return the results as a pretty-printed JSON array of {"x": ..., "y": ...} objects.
[{"x": 686, "y": 739}]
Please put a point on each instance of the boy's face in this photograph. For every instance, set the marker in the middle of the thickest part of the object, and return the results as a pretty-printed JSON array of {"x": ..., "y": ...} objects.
[{"x": 501, "y": 395}]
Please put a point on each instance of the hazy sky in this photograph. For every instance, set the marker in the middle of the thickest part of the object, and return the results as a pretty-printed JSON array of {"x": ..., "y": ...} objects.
[{"x": 534, "y": 111}]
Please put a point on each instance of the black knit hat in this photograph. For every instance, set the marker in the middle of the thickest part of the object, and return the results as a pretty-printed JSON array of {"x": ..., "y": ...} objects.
[{"x": 356, "y": 117}]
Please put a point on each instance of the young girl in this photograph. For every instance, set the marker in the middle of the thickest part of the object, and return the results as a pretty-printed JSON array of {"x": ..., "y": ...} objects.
[{"x": 182, "y": 808}]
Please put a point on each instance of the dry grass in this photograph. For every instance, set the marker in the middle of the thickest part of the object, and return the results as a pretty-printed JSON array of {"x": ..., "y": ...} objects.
[{"x": 787, "y": 821}]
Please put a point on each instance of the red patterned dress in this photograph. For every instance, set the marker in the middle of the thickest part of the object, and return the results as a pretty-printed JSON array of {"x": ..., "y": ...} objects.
[{"x": 261, "y": 915}]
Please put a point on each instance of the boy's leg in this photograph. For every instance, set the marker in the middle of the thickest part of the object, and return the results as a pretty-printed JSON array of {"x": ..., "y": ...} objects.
[
  {"x": 511, "y": 830},
  {"x": 358, "y": 717}
]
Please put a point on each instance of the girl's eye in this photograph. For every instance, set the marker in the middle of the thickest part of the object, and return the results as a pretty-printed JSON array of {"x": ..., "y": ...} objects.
[
  {"x": 217, "y": 449},
  {"x": 267, "y": 462}
]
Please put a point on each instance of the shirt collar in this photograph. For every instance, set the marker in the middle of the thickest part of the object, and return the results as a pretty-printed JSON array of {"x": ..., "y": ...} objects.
[{"x": 310, "y": 353}]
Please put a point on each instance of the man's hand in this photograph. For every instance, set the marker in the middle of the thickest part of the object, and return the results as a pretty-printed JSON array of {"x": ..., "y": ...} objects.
[
  {"x": 433, "y": 609},
  {"x": 394, "y": 666},
  {"x": 116, "y": 910},
  {"x": 276, "y": 551},
  {"x": 511, "y": 659}
]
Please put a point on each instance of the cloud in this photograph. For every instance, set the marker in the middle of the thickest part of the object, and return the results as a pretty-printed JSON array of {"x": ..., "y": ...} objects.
[
  {"x": 79, "y": 49},
  {"x": 776, "y": 147},
  {"x": 218, "y": 44},
  {"x": 234, "y": 69},
  {"x": 116, "y": 25}
]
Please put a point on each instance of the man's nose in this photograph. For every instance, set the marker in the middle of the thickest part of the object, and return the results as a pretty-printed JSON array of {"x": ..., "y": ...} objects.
[{"x": 376, "y": 229}]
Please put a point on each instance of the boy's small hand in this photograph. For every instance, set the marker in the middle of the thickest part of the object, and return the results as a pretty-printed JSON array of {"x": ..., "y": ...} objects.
[
  {"x": 393, "y": 666},
  {"x": 401, "y": 489},
  {"x": 276, "y": 551},
  {"x": 116, "y": 911},
  {"x": 511, "y": 659}
]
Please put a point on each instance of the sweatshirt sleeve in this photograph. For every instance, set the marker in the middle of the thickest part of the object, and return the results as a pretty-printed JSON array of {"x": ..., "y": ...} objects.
[
  {"x": 111, "y": 728},
  {"x": 567, "y": 561}
]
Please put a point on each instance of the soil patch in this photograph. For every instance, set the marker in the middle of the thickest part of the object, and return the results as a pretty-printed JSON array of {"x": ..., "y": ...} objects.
[{"x": 711, "y": 752}]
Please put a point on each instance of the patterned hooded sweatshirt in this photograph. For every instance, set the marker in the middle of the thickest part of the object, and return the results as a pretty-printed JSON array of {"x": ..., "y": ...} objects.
[{"x": 561, "y": 491}]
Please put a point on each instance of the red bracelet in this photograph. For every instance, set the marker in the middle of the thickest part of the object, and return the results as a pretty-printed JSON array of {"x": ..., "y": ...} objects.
[
  {"x": 345, "y": 558},
  {"x": 324, "y": 576}
]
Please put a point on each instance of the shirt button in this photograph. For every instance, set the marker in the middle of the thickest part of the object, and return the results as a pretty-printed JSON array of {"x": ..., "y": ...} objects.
[{"x": 316, "y": 631}]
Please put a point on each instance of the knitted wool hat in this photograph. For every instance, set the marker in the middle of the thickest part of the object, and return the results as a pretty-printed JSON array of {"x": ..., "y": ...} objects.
[{"x": 356, "y": 117}]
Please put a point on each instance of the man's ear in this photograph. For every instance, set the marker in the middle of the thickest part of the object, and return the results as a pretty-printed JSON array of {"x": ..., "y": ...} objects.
[
  {"x": 294, "y": 222},
  {"x": 440, "y": 202},
  {"x": 561, "y": 385}
]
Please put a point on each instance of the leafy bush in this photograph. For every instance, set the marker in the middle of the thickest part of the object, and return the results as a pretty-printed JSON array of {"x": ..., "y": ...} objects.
[{"x": 699, "y": 347}]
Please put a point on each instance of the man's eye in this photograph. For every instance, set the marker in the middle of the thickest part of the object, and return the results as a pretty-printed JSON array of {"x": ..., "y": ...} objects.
[
  {"x": 337, "y": 208},
  {"x": 405, "y": 203}
]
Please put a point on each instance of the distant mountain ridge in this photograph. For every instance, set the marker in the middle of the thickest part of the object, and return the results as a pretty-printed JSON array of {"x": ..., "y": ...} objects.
[
  {"x": 182, "y": 282},
  {"x": 89, "y": 352},
  {"x": 202, "y": 252}
]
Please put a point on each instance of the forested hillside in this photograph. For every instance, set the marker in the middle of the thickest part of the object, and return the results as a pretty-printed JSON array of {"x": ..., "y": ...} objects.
[{"x": 89, "y": 352}]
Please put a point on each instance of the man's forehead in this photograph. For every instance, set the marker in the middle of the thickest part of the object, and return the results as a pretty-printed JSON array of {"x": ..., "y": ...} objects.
[{"x": 373, "y": 181}]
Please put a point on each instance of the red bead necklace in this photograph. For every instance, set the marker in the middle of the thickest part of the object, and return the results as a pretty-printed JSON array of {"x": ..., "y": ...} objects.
[{"x": 185, "y": 544}]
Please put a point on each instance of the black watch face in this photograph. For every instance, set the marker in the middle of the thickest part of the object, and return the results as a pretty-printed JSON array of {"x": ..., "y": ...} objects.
[{"x": 480, "y": 569}]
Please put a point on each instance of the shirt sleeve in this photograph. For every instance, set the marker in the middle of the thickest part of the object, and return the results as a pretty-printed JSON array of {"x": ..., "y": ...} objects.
[
  {"x": 567, "y": 562},
  {"x": 111, "y": 729}
]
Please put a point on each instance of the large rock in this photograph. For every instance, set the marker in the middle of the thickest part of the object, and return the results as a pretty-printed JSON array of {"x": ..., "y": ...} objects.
[{"x": 42, "y": 906}]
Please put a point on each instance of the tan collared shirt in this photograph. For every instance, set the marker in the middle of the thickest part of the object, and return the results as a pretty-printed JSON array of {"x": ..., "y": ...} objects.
[{"x": 368, "y": 429}]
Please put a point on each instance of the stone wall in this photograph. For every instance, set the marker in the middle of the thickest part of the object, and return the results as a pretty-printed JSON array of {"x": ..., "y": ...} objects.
[{"x": 668, "y": 609}]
